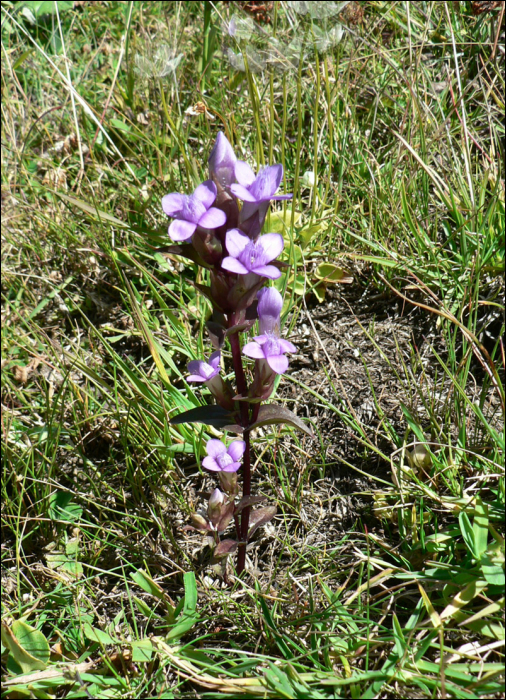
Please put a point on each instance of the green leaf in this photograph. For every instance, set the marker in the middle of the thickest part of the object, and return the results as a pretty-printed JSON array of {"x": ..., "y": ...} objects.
[
  {"x": 47, "y": 7},
  {"x": 330, "y": 273},
  {"x": 467, "y": 532},
  {"x": 272, "y": 414},
  {"x": 189, "y": 615},
  {"x": 182, "y": 626},
  {"x": 493, "y": 571},
  {"x": 118, "y": 124},
  {"x": 400, "y": 642},
  {"x": 96, "y": 635},
  {"x": 142, "y": 650},
  {"x": 413, "y": 424},
  {"x": 280, "y": 221},
  {"x": 190, "y": 593},
  {"x": 147, "y": 584},
  {"x": 28, "y": 646},
  {"x": 61, "y": 508},
  {"x": 480, "y": 527}
]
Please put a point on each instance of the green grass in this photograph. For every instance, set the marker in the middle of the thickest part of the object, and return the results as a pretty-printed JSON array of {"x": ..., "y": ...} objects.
[{"x": 401, "y": 126}]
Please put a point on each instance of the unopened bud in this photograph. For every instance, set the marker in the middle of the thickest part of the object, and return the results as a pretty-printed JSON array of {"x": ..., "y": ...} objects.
[
  {"x": 216, "y": 501},
  {"x": 228, "y": 482},
  {"x": 199, "y": 522}
]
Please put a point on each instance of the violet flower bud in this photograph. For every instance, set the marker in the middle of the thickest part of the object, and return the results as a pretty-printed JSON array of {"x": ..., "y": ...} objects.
[
  {"x": 247, "y": 256},
  {"x": 222, "y": 161},
  {"x": 270, "y": 303},
  {"x": 268, "y": 346},
  {"x": 190, "y": 211},
  {"x": 221, "y": 458},
  {"x": 216, "y": 501}
]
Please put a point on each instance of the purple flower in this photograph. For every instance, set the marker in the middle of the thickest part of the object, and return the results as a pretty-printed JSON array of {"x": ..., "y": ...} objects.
[
  {"x": 221, "y": 459},
  {"x": 222, "y": 161},
  {"x": 270, "y": 348},
  {"x": 247, "y": 256},
  {"x": 270, "y": 303},
  {"x": 190, "y": 211},
  {"x": 261, "y": 188},
  {"x": 201, "y": 371}
]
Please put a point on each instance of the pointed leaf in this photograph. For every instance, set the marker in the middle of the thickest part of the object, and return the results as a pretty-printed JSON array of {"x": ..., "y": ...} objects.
[
  {"x": 189, "y": 616},
  {"x": 144, "y": 581},
  {"x": 185, "y": 250},
  {"x": 227, "y": 513},
  {"x": 260, "y": 517},
  {"x": 213, "y": 415},
  {"x": 271, "y": 414},
  {"x": 248, "y": 501},
  {"x": 89, "y": 209},
  {"x": 98, "y": 635},
  {"x": 225, "y": 548}
]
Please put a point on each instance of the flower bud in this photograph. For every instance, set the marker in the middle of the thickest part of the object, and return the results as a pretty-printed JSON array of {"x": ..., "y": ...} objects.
[
  {"x": 199, "y": 522},
  {"x": 228, "y": 482},
  {"x": 216, "y": 501},
  {"x": 222, "y": 162}
]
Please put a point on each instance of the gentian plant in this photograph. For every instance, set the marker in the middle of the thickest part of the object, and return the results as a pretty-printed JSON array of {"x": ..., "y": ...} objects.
[{"x": 219, "y": 227}]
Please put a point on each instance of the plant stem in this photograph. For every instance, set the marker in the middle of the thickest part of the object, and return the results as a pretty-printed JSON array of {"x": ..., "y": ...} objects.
[{"x": 246, "y": 463}]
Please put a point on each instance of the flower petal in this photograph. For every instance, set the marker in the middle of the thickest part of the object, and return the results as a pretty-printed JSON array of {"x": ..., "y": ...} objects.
[
  {"x": 244, "y": 174},
  {"x": 287, "y": 346},
  {"x": 211, "y": 464},
  {"x": 267, "y": 271},
  {"x": 236, "y": 242},
  {"x": 279, "y": 197},
  {"x": 180, "y": 230},
  {"x": 206, "y": 193},
  {"x": 236, "y": 449},
  {"x": 173, "y": 203},
  {"x": 214, "y": 359},
  {"x": 213, "y": 218},
  {"x": 253, "y": 350},
  {"x": 195, "y": 378},
  {"x": 215, "y": 448},
  {"x": 241, "y": 192},
  {"x": 233, "y": 467},
  {"x": 233, "y": 265},
  {"x": 278, "y": 363},
  {"x": 272, "y": 244},
  {"x": 196, "y": 367},
  {"x": 267, "y": 182}
]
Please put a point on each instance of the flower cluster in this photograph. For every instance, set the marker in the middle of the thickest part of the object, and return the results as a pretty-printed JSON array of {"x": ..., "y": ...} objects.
[{"x": 220, "y": 226}]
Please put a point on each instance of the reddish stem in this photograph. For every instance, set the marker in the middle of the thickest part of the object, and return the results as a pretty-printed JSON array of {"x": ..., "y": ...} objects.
[{"x": 246, "y": 464}]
